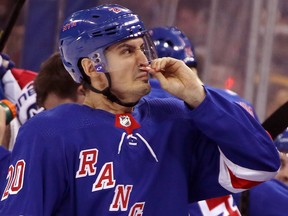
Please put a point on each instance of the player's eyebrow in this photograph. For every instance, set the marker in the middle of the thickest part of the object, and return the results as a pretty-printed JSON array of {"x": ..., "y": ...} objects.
[{"x": 126, "y": 45}]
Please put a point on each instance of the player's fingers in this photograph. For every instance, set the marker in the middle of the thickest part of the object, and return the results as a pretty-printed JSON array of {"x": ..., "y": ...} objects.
[{"x": 159, "y": 64}]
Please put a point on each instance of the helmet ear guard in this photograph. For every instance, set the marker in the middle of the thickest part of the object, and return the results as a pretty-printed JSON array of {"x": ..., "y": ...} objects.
[{"x": 99, "y": 60}]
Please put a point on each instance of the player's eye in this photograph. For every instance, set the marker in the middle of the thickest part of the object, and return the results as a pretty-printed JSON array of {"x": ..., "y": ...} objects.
[
  {"x": 142, "y": 48},
  {"x": 127, "y": 50}
]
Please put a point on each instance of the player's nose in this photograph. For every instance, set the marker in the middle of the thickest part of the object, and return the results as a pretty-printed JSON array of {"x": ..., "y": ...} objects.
[{"x": 141, "y": 57}]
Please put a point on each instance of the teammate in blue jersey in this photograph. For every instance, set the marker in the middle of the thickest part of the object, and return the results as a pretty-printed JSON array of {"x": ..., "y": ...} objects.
[
  {"x": 52, "y": 86},
  {"x": 106, "y": 158},
  {"x": 271, "y": 197},
  {"x": 172, "y": 42},
  {"x": 169, "y": 41},
  {"x": 5, "y": 64}
]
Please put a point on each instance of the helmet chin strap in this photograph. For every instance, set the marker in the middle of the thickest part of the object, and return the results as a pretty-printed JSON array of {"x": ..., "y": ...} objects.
[{"x": 107, "y": 92}]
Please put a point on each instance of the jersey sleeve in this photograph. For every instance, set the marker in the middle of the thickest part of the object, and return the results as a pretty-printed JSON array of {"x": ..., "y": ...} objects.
[
  {"x": 4, "y": 164},
  {"x": 234, "y": 151}
]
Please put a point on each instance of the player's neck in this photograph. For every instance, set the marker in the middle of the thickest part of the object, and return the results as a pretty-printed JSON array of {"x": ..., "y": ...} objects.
[{"x": 99, "y": 101}]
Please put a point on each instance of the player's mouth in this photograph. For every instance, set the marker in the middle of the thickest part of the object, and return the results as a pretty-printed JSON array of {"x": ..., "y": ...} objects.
[{"x": 142, "y": 75}]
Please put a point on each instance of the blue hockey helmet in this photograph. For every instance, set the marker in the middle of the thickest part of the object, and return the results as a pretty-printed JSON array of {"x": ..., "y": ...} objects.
[
  {"x": 87, "y": 33},
  {"x": 171, "y": 42},
  {"x": 281, "y": 142}
]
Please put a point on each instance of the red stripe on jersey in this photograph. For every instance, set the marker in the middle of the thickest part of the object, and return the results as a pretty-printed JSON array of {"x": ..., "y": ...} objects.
[{"x": 240, "y": 183}]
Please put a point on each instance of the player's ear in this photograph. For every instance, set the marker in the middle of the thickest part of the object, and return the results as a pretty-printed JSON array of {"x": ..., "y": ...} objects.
[
  {"x": 80, "y": 94},
  {"x": 87, "y": 66},
  {"x": 80, "y": 91}
]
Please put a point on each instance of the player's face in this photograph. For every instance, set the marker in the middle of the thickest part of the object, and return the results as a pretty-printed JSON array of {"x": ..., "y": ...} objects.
[
  {"x": 283, "y": 173},
  {"x": 128, "y": 82}
]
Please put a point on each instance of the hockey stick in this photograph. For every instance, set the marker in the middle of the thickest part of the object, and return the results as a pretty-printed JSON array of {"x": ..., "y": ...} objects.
[
  {"x": 277, "y": 122},
  {"x": 4, "y": 35}
]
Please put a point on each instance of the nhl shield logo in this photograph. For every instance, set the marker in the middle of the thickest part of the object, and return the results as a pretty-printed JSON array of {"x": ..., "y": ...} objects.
[{"x": 125, "y": 121}]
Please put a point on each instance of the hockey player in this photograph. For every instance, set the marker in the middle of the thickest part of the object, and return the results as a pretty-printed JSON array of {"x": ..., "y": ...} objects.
[
  {"x": 13, "y": 83},
  {"x": 271, "y": 197},
  {"x": 17, "y": 87},
  {"x": 54, "y": 86},
  {"x": 268, "y": 198},
  {"x": 22, "y": 87},
  {"x": 172, "y": 42},
  {"x": 106, "y": 158}
]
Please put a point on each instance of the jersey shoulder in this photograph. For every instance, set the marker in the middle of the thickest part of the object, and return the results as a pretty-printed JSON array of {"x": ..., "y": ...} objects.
[
  {"x": 161, "y": 108},
  {"x": 65, "y": 117}
]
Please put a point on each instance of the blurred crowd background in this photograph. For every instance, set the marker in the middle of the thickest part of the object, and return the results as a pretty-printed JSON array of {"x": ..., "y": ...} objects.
[{"x": 240, "y": 45}]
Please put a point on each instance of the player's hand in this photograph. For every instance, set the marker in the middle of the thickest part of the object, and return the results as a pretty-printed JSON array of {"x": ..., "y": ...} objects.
[
  {"x": 178, "y": 79},
  {"x": 5, "y": 64}
]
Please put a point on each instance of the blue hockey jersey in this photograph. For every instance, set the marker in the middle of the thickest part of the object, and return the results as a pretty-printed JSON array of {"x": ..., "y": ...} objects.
[
  {"x": 75, "y": 160},
  {"x": 224, "y": 205},
  {"x": 267, "y": 199}
]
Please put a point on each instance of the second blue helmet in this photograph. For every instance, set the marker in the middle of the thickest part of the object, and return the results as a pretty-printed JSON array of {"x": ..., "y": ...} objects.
[{"x": 171, "y": 42}]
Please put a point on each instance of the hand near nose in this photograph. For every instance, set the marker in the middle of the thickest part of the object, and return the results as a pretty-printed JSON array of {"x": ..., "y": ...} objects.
[{"x": 178, "y": 79}]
